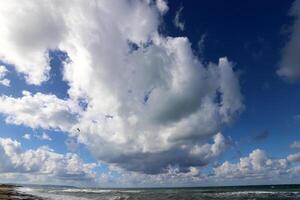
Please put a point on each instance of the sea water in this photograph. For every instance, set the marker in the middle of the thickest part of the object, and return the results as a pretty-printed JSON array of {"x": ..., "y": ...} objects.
[{"x": 270, "y": 192}]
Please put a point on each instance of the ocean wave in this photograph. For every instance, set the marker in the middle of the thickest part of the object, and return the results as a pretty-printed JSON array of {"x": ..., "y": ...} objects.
[
  {"x": 149, "y": 194},
  {"x": 260, "y": 192},
  {"x": 46, "y": 195},
  {"x": 80, "y": 190},
  {"x": 77, "y": 190}
]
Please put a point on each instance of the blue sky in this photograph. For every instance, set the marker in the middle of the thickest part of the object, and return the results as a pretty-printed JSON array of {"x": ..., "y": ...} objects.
[
  {"x": 87, "y": 86},
  {"x": 252, "y": 35}
]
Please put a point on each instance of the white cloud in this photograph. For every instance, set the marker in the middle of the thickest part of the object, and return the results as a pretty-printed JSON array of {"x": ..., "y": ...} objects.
[
  {"x": 258, "y": 166},
  {"x": 38, "y": 111},
  {"x": 289, "y": 66},
  {"x": 173, "y": 177},
  {"x": 294, "y": 157},
  {"x": 177, "y": 20},
  {"x": 41, "y": 27},
  {"x": 4, "y": 81},
  {"x": 162, "y": 6},
  {"x": 210, "y": 150},
  {"x": 43, "y": 162},
  {"x": 162, "y": 101},
  {"x": 44, "y": 136},
  {"x": 295, "y": 145},
  {"x": 27, "y": 136}
]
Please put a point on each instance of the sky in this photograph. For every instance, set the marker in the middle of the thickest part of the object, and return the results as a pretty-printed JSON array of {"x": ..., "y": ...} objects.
[{"x": 149, "y": 93}]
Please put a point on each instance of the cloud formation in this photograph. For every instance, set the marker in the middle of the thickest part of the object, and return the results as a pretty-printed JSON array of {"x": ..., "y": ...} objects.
[
  {"x": 39, "y": 111},
  {"x": 165, "y": 107},
  {"x": 289, "y": 66},
  {"x": 177, "y": 20},
  {"x": 44, "y": 136},
  {"x": 4, "y": 81},
  {"x": 162, "y": 6},
  {"x": 43, "y": 161},
  {"x": 259, "y": 166},
  {"x": 294, "y": 157}
]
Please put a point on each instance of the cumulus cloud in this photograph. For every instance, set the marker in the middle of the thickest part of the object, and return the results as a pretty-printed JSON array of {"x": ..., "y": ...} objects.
[
  {"x": 38, "y": 111},
  {"x": 258, "y": 165},
  {"x": 4, "y": 81},
  {"x": 165, "y": 107},
  {"x": 172, "y": 177},
  {"x": 290, "y": 63},
  {"x": 43, "y": 161},
  {"x": 41, "y": 29}
]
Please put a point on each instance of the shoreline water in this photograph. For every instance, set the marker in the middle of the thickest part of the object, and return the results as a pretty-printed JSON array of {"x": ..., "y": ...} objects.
[
  {"x": 270, "y": 192},
  {"x": 10, "y": 192}
]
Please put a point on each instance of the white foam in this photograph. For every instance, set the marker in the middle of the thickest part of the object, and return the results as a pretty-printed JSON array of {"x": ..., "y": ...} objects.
[
  {"x": 75, "y": 190},
  {"x": 46, "y": 195},
  {"x": 86, "y": 190}
]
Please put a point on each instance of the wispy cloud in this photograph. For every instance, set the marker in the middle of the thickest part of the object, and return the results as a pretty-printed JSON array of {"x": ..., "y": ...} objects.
[
  {"x": 289, "y": 66},
  {"x": 295, "y": 145},
  {"x": 44, "y": 136},
  {"x": 3, "y": 72},
  {"x": 27, "y": 136},
  {"x": 178, "y": 21}
]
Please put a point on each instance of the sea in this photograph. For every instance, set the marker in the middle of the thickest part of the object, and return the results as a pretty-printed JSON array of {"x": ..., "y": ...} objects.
[{"x": 265, "y": 192}]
